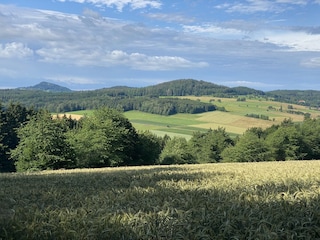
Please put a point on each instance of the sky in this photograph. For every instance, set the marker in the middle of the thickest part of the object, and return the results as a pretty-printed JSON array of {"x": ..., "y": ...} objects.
[{"x": 92, "y": 44}]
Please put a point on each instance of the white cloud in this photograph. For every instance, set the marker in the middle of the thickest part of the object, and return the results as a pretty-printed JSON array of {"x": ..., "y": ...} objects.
[
  {"x": 153, "y": 63},
  {"x": 93, "y": 41},
  {"x": 115, "y": 58},
  {"x": 15, "y": 50},
  {"x": 285, "y": 38},
  {"x": 176, "y": 17},
  {"x": 215, "y": 31},
  {"x": 293, "y": 40},
  {"x": 312, "y": 62},
  {"x": 253, "y": 6},
  {"x": 120, "y": 4},
  {"x": 90, "y": 13}
]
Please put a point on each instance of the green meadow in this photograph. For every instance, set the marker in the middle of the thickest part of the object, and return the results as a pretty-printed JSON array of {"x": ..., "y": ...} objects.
[{"x": 234, "y": 120}]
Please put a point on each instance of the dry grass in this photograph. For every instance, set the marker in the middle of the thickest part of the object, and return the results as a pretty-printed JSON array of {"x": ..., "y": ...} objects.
[
  {"x": 269, "y": 200},
  {"x": 73, "y": 116}
]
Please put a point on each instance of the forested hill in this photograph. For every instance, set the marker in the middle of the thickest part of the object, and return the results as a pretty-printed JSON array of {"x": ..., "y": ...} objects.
[
  {"x": 46, "y": 86},
  {"x": 126, "y": 98},
  {"x": 187, "y": 87},
  {"x": 184, "y": 87},
  {"x": 303, "y": 97},
  {"x": 59, "y": 99}
]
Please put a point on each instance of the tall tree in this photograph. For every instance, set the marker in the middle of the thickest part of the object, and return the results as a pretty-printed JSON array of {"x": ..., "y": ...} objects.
[
  {"x": 176, "y": 152},
  {"x": 106, "y": 138},
  {"x": 150, "y": 147},
  {"x": 42, "y": 145},
  {"x": 249, "y": 148},
  {"x": 3, "y": 158},
  {"x": 207, "y": 147},
  {"x": 286, "y": 143},
  {"x": 12, "y": 117},
  {"x": 309, "y": 131}
]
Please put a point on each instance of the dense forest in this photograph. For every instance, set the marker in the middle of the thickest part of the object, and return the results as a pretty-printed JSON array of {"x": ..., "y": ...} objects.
[
  {"x": 55, "y": 98},
  {"x": 35, "y": 140},
  {"x": 303, "y": 97}
]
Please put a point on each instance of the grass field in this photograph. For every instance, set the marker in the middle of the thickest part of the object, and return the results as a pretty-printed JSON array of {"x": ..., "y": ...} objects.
[
  {"x": 268, "y": 200},
  {"x": 234, "y": 120}
]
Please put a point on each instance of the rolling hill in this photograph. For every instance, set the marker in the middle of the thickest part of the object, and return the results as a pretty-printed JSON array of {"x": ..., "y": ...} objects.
[
  {"x": 56, "y": 98},
  {"x": 48, "y": 87}
]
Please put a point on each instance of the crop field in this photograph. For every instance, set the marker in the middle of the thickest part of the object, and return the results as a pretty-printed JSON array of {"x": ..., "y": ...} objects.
[
  {"x": 268, "y": 200},
  {"x": 259, "y": 106},
  {"x": 234, "y": 120}
]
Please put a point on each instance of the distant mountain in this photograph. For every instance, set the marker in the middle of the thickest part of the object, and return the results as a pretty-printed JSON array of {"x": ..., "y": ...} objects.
[{"x": 48, "y": 87}]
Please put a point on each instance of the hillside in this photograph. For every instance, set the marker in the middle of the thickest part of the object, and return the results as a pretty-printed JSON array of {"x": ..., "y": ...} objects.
[
  {"x": 184, "y": 87},
  {"x": 238, "y": 117},
  {"x": 303, "y": 97},
  {"x": 56, "y": 98},
  {"x": 121, "y": 97},
  {"x": 187, "y": 87},
  {"x": 48, "y": 87}
]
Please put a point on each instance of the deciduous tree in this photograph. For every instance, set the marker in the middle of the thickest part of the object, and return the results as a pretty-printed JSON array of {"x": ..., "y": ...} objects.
[
  {"x": 42, "y": 145},
  {"x": 176, "y": 152},
  {"x": 249, "y": 148},
  {"x": 106, "y": 138},
  {"x": 207, "y": 147}
]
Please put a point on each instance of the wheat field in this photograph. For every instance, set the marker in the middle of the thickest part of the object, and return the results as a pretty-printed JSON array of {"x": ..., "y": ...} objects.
[{"x": 268, "y": 200}]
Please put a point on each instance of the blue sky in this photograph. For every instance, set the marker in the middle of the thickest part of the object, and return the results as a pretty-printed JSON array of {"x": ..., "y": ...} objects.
[{"x": 91, "y": 44}]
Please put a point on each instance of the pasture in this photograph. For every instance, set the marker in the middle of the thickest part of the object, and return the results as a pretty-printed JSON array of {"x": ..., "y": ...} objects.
[
  {"x": 267, "y": 200},
  {"x": 234, "y": 120}
]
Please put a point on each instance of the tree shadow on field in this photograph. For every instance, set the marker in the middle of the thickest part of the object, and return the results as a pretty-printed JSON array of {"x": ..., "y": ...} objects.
[{"x": 157, "y": 203}]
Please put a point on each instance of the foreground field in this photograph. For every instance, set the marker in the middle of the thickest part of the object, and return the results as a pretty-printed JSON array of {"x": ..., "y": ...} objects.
[{"x": 269, "y": 200}]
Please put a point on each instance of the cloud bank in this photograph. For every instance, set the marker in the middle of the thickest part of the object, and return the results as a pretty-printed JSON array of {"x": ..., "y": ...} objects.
[
  {"x": 15, "y": 50},
  {"x": 87, "y": 41},
  {"x": 120, "y": 4},
  {"x": 255, "y": 6}
]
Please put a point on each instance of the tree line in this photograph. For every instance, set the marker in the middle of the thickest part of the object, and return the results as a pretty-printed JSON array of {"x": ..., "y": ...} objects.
[
  {"x": 303, "y": 97},
  {"x": 63, "y": 102},
  {"x": 125, "y": 98},
  {"x": 35, "y": 140},
  {"x": 132, "y": 98}
]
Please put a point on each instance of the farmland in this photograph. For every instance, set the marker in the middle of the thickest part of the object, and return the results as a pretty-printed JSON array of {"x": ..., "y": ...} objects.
[
  {"x": 269, "y": 200},
  {"x": 233, "y": 120}
]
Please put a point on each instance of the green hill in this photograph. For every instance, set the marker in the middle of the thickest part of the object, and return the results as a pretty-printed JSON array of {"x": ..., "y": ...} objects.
[
  {"x": 187, "y": 87},
  {"x": 48, "y": 87},
  {"x": 303, "y": 97},
  {"x": 60, "y": 99}
]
